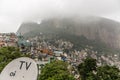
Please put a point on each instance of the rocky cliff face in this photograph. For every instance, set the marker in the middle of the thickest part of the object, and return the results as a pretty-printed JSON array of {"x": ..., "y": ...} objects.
[
  {"x": 94, "y": 28},
  {"x": 27, "y": 27}
]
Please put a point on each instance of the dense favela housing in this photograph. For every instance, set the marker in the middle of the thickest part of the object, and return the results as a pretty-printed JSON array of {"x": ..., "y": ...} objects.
[
  {"x": 45, "y": 49},
  {"x": 8, "y": 39}
]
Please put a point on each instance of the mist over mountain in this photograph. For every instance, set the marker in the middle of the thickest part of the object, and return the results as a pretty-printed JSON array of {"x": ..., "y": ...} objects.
[{"x": 93, "y": 28}]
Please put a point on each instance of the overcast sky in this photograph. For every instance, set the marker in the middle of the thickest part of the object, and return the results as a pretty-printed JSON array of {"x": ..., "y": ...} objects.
[{"x": 14, "y": 12}]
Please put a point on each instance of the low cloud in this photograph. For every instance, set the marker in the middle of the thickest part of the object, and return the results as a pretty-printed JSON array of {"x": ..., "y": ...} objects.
[{"x": 17, "y": 11}]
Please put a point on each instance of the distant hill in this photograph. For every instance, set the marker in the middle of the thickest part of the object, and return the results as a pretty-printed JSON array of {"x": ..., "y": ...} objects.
[{"x": 93, "y": 28}]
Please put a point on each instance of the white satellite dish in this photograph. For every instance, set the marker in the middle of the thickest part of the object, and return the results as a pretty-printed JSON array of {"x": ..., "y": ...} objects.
[{"x": 20, "y": 69}]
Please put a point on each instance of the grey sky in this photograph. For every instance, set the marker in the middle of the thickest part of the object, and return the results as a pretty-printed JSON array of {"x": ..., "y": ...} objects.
[{"x": 14, "y": 12}]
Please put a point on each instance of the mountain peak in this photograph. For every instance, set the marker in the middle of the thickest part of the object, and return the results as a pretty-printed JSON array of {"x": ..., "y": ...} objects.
[{"x": 92, "y": 28}]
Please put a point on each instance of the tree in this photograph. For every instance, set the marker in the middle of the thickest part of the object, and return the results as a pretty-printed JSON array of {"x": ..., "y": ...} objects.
[
  {"x": 7, "y": 54},
  {"x": 56, "y": 70},
  {"x": 87, "y": 69},
  {"x": 90, "y": 71},
  {"x": 108, "y": 73}
]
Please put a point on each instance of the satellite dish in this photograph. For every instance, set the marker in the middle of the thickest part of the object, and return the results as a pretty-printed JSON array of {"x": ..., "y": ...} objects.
[{"x": 20, "y": 69}]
